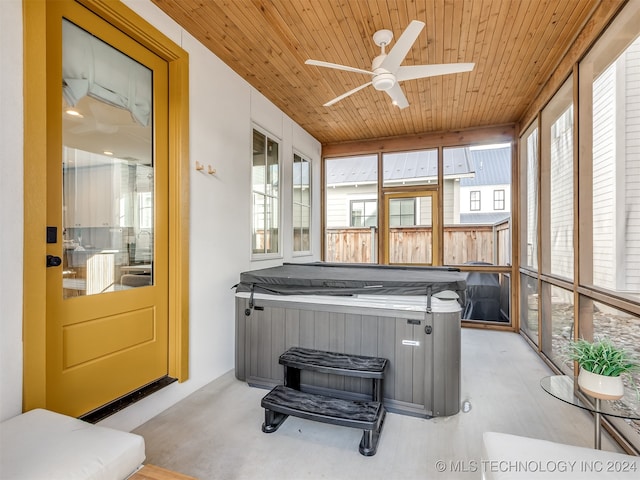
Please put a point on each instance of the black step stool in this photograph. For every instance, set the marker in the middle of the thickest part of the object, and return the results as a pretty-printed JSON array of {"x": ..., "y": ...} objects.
[{"x": 287, "y": 399}]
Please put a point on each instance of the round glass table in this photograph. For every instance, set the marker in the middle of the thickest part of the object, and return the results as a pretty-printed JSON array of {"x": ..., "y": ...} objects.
[{"x": 565, "y": 387}]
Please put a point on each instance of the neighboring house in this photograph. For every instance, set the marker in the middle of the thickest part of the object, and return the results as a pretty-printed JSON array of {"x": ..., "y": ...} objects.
[
  {"x": 477, "y": 186},
  {"x": 485, "y": 198},
  {"x": 616, "y": 174}
]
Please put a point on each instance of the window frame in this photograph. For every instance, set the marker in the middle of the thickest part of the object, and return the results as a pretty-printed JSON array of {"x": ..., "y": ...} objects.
[
  {"x": 499, "y": 200},
  {"x": 364, "y": 201},
  {"x": 303, "y": 158},
  {"x": 277, "y": 216},
  {"x": 473, "y": 201},
  {"x": 402, "y": 215}
]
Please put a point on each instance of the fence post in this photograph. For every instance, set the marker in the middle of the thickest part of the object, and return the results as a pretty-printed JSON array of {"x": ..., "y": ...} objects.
[{"x": 374, "y": 249}]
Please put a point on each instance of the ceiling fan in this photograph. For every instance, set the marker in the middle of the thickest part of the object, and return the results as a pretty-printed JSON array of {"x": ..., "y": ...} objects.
[{"x": 386, "y": 72}]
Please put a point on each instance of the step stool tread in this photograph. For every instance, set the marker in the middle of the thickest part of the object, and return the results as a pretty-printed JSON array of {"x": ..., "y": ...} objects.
[
  {"x": 336, "y": 411},
  {"x": 333, "y": 362}
]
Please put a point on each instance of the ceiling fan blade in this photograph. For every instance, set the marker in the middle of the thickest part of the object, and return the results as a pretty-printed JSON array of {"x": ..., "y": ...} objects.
[
  {"x": 422, "y": 71},
  {"x": 397, "y": 96},
  {"x": 336, "y": 66},
  {"x": 402, "y": 46},
  {"x": 345, "y": 95}
]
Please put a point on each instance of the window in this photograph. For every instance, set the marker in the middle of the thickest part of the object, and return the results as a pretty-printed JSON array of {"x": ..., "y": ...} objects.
[
  {"x": 471, "y": 234},
  {"x": 557, "y": 329},
  {"x": 498, "y": 199},
  {"x": 350, "y": 208},
  {"x": 556, "y": 183},
  {"x": 265, "y": 180},
  {"x": 603, "y": 187},
  {"x": 418, "y": 167},
  {"x": 301, "y": 204},
  {"x": 529, "y": 307},
  {"x": 474, "y": 200},
  {"x": 609, "y": 179},
  {"x": 364, "y": 213},
  {"x": 402, "y": 212},
  {"x": 529, "y": 195},
  {"x": 609, "y": 201}
]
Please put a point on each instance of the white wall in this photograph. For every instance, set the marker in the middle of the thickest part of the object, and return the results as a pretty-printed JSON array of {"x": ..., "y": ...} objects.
[
  {"x": 223, "y": 108},
  {"x": 11, "y": 197}
]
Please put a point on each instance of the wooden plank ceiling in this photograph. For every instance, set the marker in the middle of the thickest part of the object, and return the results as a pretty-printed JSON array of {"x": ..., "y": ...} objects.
[{"x": 515, "y": 44}]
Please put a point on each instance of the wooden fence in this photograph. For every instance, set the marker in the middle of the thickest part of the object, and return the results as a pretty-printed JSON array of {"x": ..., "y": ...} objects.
[{"x": 461, "y": 244}]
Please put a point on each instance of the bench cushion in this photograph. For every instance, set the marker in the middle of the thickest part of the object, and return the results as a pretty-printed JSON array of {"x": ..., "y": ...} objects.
[
  {"x": 511, "y": 457},
  {"x": 41, "y": 445}
]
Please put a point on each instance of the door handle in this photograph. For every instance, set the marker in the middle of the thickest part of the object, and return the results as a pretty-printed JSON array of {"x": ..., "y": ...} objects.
[{"x": 53, "y": 261}]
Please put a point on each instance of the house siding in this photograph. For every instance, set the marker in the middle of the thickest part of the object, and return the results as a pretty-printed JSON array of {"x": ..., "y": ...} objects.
[
  {"x": 632, "y": 168},
  {"x": 604, "y": 154},
  {"x": 616, "y": 174},
  {"x": 561, "y": 184}
]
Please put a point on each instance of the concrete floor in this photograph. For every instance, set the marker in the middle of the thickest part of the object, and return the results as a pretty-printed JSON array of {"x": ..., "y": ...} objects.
[{"x": 215, "y": 433}]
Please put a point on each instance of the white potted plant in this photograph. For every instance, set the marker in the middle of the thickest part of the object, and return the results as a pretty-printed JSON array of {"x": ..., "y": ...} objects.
[{"x": 602, "y": 365}]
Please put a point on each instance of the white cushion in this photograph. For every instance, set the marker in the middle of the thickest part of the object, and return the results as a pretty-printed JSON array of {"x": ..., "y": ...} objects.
[
  {"x": 43, "y": 445},
  {"x": 511, "y": 457}
]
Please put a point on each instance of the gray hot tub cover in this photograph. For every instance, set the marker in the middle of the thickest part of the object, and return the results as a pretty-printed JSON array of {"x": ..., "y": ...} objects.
[{"x": 340, "y": 279}]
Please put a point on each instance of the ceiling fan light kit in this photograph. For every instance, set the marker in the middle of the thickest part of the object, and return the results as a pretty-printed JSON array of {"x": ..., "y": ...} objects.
[
  {"x": 383, "y": 80},
  {"x": 386, "y": 72}
]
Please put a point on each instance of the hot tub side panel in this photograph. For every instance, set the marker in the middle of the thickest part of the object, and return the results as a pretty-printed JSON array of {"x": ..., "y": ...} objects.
[{"x": 414, "y": 371}]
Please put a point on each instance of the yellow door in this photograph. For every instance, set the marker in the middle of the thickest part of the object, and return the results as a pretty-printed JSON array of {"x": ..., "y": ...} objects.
[
  {"x": 410, "y": 232},
  {"x": 107, "y": 212}
]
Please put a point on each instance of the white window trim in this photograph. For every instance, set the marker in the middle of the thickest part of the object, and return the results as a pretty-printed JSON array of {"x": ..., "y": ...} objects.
[
  {"x": 303, "y": 253},
  {"x": 279, "y": 254},
  {"x": 471, "y": 201},
  {"x": 503, "y": 200}
]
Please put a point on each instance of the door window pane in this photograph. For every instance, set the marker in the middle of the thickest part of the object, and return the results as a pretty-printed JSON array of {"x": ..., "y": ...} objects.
[
  {"x": 108, "y": 168},
  {"x": 402, "y": 212}
]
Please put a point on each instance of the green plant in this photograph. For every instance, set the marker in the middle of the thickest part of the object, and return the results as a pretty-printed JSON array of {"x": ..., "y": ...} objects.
[{"x": 603, "y": 357}]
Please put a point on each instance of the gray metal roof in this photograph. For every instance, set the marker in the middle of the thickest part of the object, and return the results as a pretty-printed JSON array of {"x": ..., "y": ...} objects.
[
  {"x": 488, "y": 218},
  {"x": 352, "y": 170},
  {"x": 492, "y": 167},
  {"x": 473, "y": 167}
]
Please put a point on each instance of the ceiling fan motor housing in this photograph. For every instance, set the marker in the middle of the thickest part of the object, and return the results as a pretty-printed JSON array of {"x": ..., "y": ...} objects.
[{"x": 382, "y": 79}]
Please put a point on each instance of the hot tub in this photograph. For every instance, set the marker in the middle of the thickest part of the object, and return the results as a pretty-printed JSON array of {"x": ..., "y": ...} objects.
[{"x": 419, "y": 334}]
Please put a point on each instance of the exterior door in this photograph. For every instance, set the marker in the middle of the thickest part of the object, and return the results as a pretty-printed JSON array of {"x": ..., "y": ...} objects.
[
  {"x": 410, "y": 228},
  {"x": 107, "y": 213}
]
